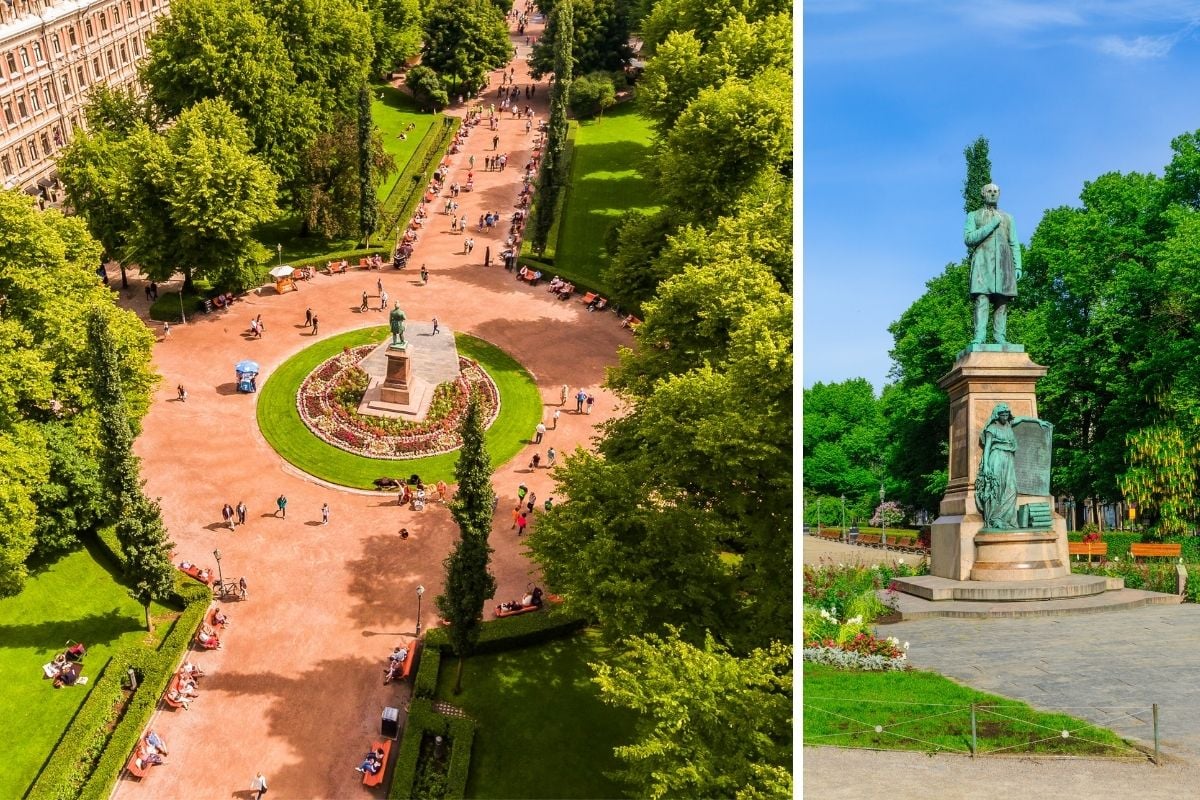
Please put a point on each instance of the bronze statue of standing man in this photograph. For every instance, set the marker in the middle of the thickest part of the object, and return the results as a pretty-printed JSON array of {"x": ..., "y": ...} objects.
[{"x": 995, "y": 265}]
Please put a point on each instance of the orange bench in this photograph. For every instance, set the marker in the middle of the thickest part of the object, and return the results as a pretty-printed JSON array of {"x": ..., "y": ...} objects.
[
  {"x": 410, "y": 644},
  {"x": 631, "y": 322},
  {"x": 386, "y": 746},
  {"x": 1088, "y": 549},
  {"x": 203, "y": 575},
  {"x": 588, "y": 298},
  {"x": 1147, "y": 550}
]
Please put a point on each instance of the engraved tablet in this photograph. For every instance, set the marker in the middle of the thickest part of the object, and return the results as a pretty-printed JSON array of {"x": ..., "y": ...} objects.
[{"x": 1033, "y": 458}]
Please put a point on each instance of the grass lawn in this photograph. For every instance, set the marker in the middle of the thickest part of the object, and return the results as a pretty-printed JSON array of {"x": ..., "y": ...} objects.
[
  {"x": 605, "y": 183},
  {"x": 393, "y": 114},
  {"x": 75, "y": 597},
  {"x": 928, "y": 712},
  {"x": 279, "y": 419},
  {"x": 543, "y": 731}
]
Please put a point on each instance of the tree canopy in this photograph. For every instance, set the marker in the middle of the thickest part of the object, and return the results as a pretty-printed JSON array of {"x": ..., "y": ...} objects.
[{"x": 464, "y": 41}]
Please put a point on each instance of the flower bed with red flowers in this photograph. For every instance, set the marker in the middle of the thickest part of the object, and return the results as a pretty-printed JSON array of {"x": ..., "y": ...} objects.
[{"x": 328, "y": 402}]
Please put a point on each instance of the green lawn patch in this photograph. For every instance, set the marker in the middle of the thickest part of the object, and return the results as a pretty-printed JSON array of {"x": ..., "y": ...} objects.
[
  {"x": 279, "y": 419},
  {"x": 75, "y": 597},
  {"x": 606, "y": 181},
  {"x": 543, "y": 731},
  {"x": 393, "y": 113},
  {"x": 928, "y": 712}
]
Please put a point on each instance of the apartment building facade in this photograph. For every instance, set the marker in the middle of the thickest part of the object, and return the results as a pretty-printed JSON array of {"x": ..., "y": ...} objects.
[{"x": 51, "y": 53}]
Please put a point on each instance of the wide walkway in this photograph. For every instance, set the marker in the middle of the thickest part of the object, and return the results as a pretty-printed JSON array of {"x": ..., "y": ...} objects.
[{"x": 297, "y": 689}]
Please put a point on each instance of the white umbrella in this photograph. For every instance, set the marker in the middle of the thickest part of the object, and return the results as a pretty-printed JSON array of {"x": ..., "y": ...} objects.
[{"x": 281, "y": 272}]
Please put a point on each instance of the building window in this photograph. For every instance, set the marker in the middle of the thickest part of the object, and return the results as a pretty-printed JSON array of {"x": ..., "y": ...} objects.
[
  {"x": 96, "y": 68},
  {"x": 48, "y": 91},
  {"x": 12, "y": 63},
  {"x": 6, "y": 163},
  {"x": 80, "y": 78},
  {"x": 56, "y": 44},
  {"x": 37, "y": 102},
  {"x": 137, "y": 47},
  {"x": 71, "y": 36},
  {"x": 25, "y": 57},
  {"x": 124, "y": 53},
  {"x": 37, "y": 52},
  {"x": 33, "y": 151},
  {"x": 103, "y": 21},
  {"x": 66, "y": 86},
  {"x": 128, "y": 9},
  {"x": 116, "y": 12},
  {"x": 46, "y": 144},
  {"x": 20, "y": 151},
  {"x": 21, "y": 109},
  {"x": 112, "y": 62},
  {"x": 87, "y": 28},
  {"x": 8, "y": 115},
  {"x": 141, "y": 6}
]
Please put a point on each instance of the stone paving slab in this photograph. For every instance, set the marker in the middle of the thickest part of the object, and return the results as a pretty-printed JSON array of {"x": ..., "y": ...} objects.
[
  {"x": 1083, "y": 665},
  {"x": 915, "y": 608}
]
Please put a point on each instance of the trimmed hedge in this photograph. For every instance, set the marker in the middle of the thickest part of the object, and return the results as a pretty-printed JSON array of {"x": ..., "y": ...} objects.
[
  {"x": 95, "y": 747},
  {"x": 319, "y": 261},
  {"x": 422, "y": 721},
  {"x": 462, "y": 737},
  {"x": 425, "y": 683},
  {"x": 402, "y": 201},
  {"x": 509, "y": 633}
]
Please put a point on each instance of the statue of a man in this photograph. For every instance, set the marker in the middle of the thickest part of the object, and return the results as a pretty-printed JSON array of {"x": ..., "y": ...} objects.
[
  {"x": 995, "y": 265},
  {"x": 996, "y": 483},
  {"x": 397, "y": 322}
]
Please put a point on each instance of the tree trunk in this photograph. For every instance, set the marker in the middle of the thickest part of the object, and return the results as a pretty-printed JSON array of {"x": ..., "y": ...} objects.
[
  {"x": 458, "y": 676},
  {"x": 149, "y": 621},
  {"x": 124, "y": 277},
  {"x": 188, "y": 286}
]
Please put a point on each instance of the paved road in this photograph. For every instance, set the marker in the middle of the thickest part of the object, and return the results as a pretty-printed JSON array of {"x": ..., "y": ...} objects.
[
  {"x": 1085, "y": 664},
  {"x": 816, "y": 551}
]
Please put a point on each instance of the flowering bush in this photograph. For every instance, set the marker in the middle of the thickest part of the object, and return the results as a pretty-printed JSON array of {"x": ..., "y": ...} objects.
[
  {"x": 890, "y": 512},
  {"x": 849, "y": 644},
  {"x": 329, "y": 397},
  {"x": 836, "y": 586},
  {"x": 849, "y": 659}
]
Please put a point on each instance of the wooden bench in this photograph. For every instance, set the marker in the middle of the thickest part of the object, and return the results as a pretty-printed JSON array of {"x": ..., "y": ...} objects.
[
  {"x": 871, "y": 539},
  {"x": 386, "y": 746},
  {"x": 631, "y": 322},
  {"x": 136, "y": 766},
  {"x": 588, "y": 298},
  {"x": 827, "y": 533},
  {"x": 1088, "y": 549},
  {"x": 196, "y": 572},
  {"x": 1147, "y": 550}
]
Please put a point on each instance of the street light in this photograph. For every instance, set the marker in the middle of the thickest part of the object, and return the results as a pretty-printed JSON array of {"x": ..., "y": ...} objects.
[
  {"x": 220, "y": 576},
  {"x": 882, "y": 518},
  {"x": 182, "y": 316},
  {"x": 279, "y": 249},
  {"x": 420, "y": 591},
  {"x": 843, "y": 518},
  {"x": 818, "y": 516}
]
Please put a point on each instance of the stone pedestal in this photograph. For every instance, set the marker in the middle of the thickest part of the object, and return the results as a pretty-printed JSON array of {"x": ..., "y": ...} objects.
[
  {"x": 980, "y": 379},
  {"x": 395, "y": 387}
]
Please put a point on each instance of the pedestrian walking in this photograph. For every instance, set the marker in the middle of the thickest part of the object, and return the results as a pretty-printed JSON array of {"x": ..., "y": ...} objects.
[
  {"x": 325, "y": 513},
  {"x": 314, "y": 328},
  {"x": 261, "y": 328},
  {"x": 181, "y": 392},
  {"x": 557, "y": 411},
  {"x": 516, "y": 514},
  {"x": 528, "y": 126},
  {"x": 580, "y": 399},
  {"x": 550, "y": 456},
  {"x": 227, "y": 515},
  {"x": 435, "y": 326},
  {"x": 549, "y": 504},
  {"x": 471, "y": 162},
  {"x": 590, "y": 400},
  {"x": 522, "y": 490},
  {"x": 532, "y": 502},
  {"x": 563, "y": 400},
  {"x": 539, "y": 432},
  {"x": 361, "y": 306},
  {"x": 462, "y": 223},
  {"x": 281, "y": 506},
  {"x": 454, "y": 224},
  {"x": 242, "y": 587},
  {"x": 535, "y": 460},
  {"x": 522, "y": 522},
  {"x": 308, "y": 317},
  {"x": 379, "y": 285},
  {"x": 424, "y": 275},
  {"x": 241, "y": 512},
  {"x": 383, "y": 298},
  {"x": 259, "y": 784},
  {"x": 166, "y": 331},
  {"x": 495, "y": 142}
]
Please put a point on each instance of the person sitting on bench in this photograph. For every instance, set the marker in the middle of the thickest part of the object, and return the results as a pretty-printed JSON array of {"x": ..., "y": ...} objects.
[
  {"x": 208, "y": 638},
  {"x": 219, "y": 618},
  {"x": 372, "y": 763},
  {"x": 177, "y": 699},
  {"x": 555, "y": 284},
  {"x": 536, "y": 597}
]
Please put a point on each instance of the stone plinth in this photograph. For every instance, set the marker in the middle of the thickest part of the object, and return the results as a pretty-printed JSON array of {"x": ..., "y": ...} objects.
[
  {"x": 403, "y": 379},
  {"x": 980, "y": 379},
  {"x": 931, "y": 587},
  {"x": 1017, "y": 556},
  {"x": 395, "y": 387}
]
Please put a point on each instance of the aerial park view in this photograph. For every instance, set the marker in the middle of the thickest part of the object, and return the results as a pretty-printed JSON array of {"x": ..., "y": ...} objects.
[
  {"x": 397, "y": 399},
  {"x": 1002, "y": 539}
]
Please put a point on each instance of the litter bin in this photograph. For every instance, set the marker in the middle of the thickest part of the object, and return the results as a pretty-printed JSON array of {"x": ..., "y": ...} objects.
[
  {"x": 207, "y": 306},
  {"x": 389, "y": 726}
]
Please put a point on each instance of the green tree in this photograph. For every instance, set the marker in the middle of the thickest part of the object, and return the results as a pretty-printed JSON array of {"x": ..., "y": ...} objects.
[
  {"x": 550, "y": 175},
  {"x": 979, "y": 174},
  {"x": 591, "y": 94},
  {"x": 93, "y": 168},
  {"x": 464, "y": 41},
  {"x": 196, "y": 194},
  {"x": 469, "y": 583},
  {"x": 427, "y": 88},
  {"x": 139, "y": 525},
  {"x": 710, "y": 724},
  {"x": 368, "y": 198},
  {"x": 208, "y": 49},
  {"x": 844, "y": 438},
  {"x": 703, "y": 18},
  {"x": 329, "y": 179},
  {"x": 599, "y": 41},
  {"x": 396, "y": 29}
]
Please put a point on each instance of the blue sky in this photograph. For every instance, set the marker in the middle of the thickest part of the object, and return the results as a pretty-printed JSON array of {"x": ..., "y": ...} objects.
[{"x": 893, "y": 91}]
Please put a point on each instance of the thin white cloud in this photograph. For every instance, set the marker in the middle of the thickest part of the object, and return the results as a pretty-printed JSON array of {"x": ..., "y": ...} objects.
[
  {"x": 1142, "y": 48},
  {"x": 1020, "y": 16}
]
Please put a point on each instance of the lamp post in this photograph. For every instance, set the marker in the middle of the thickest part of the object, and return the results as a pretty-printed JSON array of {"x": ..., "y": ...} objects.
[
  {"x": 818, "y": 516},
  {"x": 220, "y": 575},
  {"x": 843, "y": 518},
  {"x": 279, "y": 250},
  {"x": 882, "y": 518},
  {"x": 420, "y": 591},
  {"x": 182, "y": 316}
]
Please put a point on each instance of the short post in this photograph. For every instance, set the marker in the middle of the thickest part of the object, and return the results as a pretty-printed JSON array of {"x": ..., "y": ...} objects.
[
  {"x": 883, "y": 524},
  {"x": 844, "y": 536},
  {"x": 220, "y": 575},
  {"x": 1154, "y": 711},
  {"x": 974, "y": 740}
]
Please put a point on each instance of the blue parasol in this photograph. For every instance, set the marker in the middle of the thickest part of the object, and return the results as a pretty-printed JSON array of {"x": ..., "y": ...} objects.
[{"x": 247, "y": 366}]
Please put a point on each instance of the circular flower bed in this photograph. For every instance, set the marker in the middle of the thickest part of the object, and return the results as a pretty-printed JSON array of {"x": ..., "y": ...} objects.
[{"x": 328, "y": 402}]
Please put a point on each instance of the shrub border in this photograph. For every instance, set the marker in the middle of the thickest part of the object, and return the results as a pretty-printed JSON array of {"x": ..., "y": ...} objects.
[
  {"x": 89, "y": 757},
  {"x": 507, "y": 633}
]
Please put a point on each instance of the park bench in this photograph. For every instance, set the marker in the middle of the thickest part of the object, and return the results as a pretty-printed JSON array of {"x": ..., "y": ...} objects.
[
  {"x": 631, "y": 322},
  {"x": 374, "y": 780},
  {"x": 870, "y": 539},
  {"x": 136, "y": 766},
  {"x": 588, "y": 298},
  {"x": 828, "y": 533},
  {"x": 410, "y": 644},
  {"x": 1147, "y": 550},
  {"x": 1088, "y": 549}
]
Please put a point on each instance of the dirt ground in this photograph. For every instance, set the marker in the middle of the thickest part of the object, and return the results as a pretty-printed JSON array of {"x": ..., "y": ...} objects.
[{"x": 296, "y": 691}]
